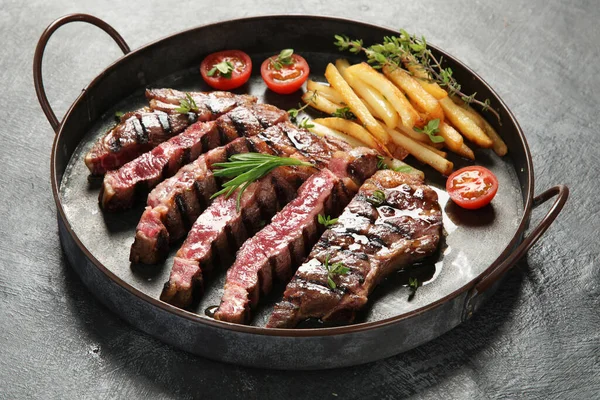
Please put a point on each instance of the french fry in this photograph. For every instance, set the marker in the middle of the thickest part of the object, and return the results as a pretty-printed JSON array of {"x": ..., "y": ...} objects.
[
  {"x": 466, "y": 152},
  {"x": 499, "y": 146},
  {"x": 427, "y": 144},
  {"x": 422, "y": 153},
  {"x": 324, "y": 90},
  {"x": 419, "y": 137},
  {"x": 320, "y": 103},
  {"x": 376, "y": 102},
  {"x": 324, "y": 131},
  {"x": 357, "y": 107},
  {"x": 452, "y": 139},
  {"x": 415, "y": 92},
  {"x": 408, "y": 114},
  {"x": 467, "y": 126},
  {"x": 423, "y": 78},
  {"x": 353, "y": 129}
]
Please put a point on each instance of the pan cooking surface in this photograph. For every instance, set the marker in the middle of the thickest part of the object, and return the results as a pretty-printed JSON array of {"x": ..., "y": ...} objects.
[{"x": 474, "y": 239}]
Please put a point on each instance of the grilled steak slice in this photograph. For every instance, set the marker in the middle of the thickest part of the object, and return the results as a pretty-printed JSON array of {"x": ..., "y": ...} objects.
[
  {"x": 221, "y": 229},
  {"x": 142, "y": 130},
  {"x": 282, "y": 245},
  {"x": 178, "y": 201},
  {"x": 174, "y": 204},
  {"x": 150, "y": 168},
  {"x": 163, "y": 161},
  {"x": 371, "y": 240},
  {"x": 209, "y": 105}
]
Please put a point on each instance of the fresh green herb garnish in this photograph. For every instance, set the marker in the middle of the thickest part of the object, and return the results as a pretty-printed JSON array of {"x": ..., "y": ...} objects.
[
  {"x": 247, "y": 168},
  {"x": 413, "y": 284},
  {"x": 377, "y": 198},
  {"x": 404, "y": 168},
  {"x": 118, "y": 115},
  {"x": 305, "y": 123},
  {"x": 344, "y": 112},
  {"x": 187, "y": 105},
  {"x": 334, "y": 269},
  {"x": 293, "y": 112},
  {"x": 284, "y": 58},
  {"x": 326, "y": 220},
  {"x": 225, "y": 68},
  {"x": 381, "y": 163},
  {"x": 407, "y": 49},
  {"x": 430, "y": 130}
]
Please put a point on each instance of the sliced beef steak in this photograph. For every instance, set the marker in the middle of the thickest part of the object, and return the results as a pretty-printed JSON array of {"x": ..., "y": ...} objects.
[
  {"x": 392, "y": 222},
  {"x": 147, "y": 170},
  {"x": 140, "y": 131},
  {"x": 275, "y": 252}
]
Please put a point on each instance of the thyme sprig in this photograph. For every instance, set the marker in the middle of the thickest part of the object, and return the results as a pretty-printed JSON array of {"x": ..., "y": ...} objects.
[
  {"x": 187, "y": 105},
  {"x": 225, "y": 68},
  {"x": 333, "y": 270},
  {"x": 406, "y": 49},
  {"x": 430, "y": 130},
  {"x": 284, "y": 58},
  {"x": 293, "y": 112},
  {"x": 413, "y": 284},
  {"x": 344, "y": 112},
  {"x": 243, "y": 169},
  {"x": 305, "y": 123},
  {"x": 377, "y": 198}
]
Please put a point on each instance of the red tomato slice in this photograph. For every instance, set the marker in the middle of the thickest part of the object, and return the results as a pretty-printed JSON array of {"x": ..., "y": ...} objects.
[
  {"x": 242, "y": 67},
  {"x": 472, "y": 187},
  {"x": 288, "y": 78}
]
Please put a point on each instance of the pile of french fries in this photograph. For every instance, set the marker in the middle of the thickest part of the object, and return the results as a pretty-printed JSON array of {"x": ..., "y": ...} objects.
[{"x": 389, "y": 105}]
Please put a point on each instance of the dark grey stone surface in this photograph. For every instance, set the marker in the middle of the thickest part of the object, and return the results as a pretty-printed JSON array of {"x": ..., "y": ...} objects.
[{"x": 538, "y": 337}]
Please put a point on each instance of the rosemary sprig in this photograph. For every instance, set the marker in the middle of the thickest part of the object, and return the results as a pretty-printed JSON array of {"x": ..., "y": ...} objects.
[
  {"x": 344, "y": 112},
  {"x": 326, "y": 220},
  {"x": 293, "y": 112},
  {"x": 407, "y": 49},
  {"x": 430, "y": 130},
  {"x": 187, "y": 105},
  {"x": 243, "y": 169},
  {"x": 225, "y": 68},
  {"x": 284, "y": 58},
  {"x": 377, "y": 198},
  {"x": 333, "y": 270}
]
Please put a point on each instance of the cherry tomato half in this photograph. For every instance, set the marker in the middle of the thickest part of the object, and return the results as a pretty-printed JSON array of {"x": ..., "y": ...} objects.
[
  {"x": 288, "y": 78},
  {"x": 472, "y": 187},
  {"x": 242, "y": 67}
]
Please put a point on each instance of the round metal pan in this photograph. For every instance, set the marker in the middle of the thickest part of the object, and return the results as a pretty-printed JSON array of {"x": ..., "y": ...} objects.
[{"x": 479, "y": 246}]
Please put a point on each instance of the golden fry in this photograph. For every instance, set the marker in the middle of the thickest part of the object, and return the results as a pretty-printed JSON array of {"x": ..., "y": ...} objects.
[
  {"x": 466, "y": 152},
  {"x": 452, "y": 139},
  {"x": 353, "y": 129},
  {"x": 423, "y": 78},
  {"x": 324, "y": 131},
  {"x": 415, "y": 92},
  {"x": 467, "y": 126},
  {"x": 356, "y": 106},
  {"x": 422, "y": 153},
  {"x": 393, "y": 95},
  {"x": 320, "y": 103},
  {"x": 499, "y": 146},
  {"x": 324, "y": 90},
  {"x": 375, "y": 102},
  {"x": 427, "y": 144}
]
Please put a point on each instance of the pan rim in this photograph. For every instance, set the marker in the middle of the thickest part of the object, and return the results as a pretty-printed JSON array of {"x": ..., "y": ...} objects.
[{"x": 294, "y": 332}]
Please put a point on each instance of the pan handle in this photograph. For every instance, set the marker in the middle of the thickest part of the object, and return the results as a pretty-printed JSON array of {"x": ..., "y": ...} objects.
[
  {"x": 561, "y": 193},
  {"x": 39, "y": 54}
]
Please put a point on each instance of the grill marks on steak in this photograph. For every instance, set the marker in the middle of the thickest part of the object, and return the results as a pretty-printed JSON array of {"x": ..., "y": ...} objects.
[
  {"x": 372, "y": 241},
  {"x": 140, "y": 131},
  {"x": 282, "y": 245},
  {"x": 147, "y": 170},
  {"x": 221, "y": 229}
]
